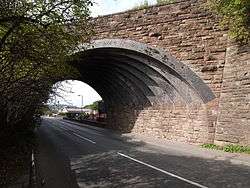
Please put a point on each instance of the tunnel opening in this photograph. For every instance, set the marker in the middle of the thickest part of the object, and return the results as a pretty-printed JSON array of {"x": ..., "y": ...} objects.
[
  {"x": 145, "y": 89},
  {"x": 76, "y": 100}
]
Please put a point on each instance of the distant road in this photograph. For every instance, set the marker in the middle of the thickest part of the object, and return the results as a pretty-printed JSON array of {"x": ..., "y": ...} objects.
[{"x": 69, "y": 155}]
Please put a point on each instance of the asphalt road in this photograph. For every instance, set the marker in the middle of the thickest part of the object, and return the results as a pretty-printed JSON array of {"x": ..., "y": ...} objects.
[{"x": 69, "y": 155}]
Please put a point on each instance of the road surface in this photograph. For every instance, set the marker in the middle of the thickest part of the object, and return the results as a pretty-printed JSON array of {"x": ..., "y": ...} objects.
[{"x": 71, "y": 156}]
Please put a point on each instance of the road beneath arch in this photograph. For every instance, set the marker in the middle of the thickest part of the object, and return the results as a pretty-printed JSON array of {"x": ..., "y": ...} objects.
[{"x": 71, "y": 154}]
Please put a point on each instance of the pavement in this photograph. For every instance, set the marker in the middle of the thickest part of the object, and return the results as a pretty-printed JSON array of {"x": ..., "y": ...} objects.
[
  {"x": 71, "y": 154},
  {"x": 180, "y": 148}
]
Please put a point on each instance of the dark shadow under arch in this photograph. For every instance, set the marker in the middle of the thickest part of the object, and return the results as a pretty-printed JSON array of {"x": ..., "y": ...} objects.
[{"x": 134, "y": 75}]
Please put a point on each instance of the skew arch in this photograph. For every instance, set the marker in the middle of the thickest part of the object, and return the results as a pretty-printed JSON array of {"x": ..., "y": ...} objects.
[{"x": 134, "y": 77}]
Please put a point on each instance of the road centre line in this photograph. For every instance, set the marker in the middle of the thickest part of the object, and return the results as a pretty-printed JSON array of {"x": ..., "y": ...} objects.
[
  {"x": 93, "y": 142},
  {"x": 163, "y": 171},
  {"x": 143, "y": 163},
  {"x": 79, "y": 127}
]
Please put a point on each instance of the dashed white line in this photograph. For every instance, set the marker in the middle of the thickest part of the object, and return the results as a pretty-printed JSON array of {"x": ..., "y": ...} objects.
[
  {"x": 163, "y": 171},
  {"x": 146, "y": 164},
  {"x": 87, "y": 139},
  {"x": 93, "y": 142}
]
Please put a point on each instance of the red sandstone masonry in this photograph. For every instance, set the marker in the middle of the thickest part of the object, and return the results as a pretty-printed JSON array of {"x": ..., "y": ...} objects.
[
  {"x": 190, "y": 33},
  {"x": 233, "y": 123},
  {"x": 183, "y": 29}
]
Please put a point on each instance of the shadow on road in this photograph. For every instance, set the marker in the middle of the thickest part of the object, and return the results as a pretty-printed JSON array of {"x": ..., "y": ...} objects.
[{"x": 100, "y": 165}]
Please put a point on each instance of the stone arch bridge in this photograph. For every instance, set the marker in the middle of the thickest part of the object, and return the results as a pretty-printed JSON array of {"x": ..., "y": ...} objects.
[{"x": 170, "y": 71}]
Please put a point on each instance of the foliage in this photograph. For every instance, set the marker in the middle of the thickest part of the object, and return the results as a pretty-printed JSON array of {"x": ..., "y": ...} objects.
[
  {"x": 15, "y": 147},
  {"x": 235, "y": 15},
  {"x": 36, "y": 38},
  {"x": 164, "y": 2},
  {"x": 93, "y": 106},
  {"x": 236, "y": 149},
  {"x": 228, "y": 148},
  {"x": 210, "y": 146},
  {"x": 62, "y": 114},
  {"x": 143, "y": 5},
  {"x": 76, "y": 116}
]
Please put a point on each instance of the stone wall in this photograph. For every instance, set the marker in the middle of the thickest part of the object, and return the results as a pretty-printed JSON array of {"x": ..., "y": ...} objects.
[
  {"x": 181, "y": 123},
  {"x": 183, "y": 29},
  {"x": 233, "y": 123},
  {"x": 189, "y": 32}
]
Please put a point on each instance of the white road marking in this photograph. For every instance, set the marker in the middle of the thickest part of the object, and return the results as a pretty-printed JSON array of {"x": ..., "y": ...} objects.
[
  {"x": 93, "y": 142},
  {"x": 84, "y": 138},
  {"x": 64, "y": 129},
  {"x": 163, "y": 171},
  {"x": 79, "y": 128},
  {"x": 32, "y": 159}
]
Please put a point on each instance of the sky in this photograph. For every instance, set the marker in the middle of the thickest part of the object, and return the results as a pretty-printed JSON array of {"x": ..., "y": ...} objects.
[
  {"x": 70, "y": 90},
  {"x": 103, "y": 7}
]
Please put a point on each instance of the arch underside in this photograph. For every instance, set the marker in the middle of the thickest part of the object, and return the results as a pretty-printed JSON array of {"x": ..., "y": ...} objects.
[
  {"x": 133, "y": 78},
  {"x": 133, "y": 75}
]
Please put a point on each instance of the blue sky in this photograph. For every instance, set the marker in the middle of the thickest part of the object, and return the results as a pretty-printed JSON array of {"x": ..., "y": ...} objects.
[{"x": 75, "y": 88}]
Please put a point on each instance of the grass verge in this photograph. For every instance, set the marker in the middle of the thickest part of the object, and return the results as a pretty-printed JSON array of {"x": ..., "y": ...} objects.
[{"x": 231, "y": 148}]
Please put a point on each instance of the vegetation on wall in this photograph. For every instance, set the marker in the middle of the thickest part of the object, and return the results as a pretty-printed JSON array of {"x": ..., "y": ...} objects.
[
  {"x": 235, "y": 16},
  {"x": 163, "y": 2},
  {"x": 142, "y": 5},
  {"x": 145, "y": 4}
]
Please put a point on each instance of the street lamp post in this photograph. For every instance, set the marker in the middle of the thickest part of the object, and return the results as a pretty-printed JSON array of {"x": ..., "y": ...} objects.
[{"x": 82, "y": 102}]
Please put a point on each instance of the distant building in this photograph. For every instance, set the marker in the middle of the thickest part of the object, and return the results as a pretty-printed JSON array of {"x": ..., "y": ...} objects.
[{"x": 76, "y": 110}]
